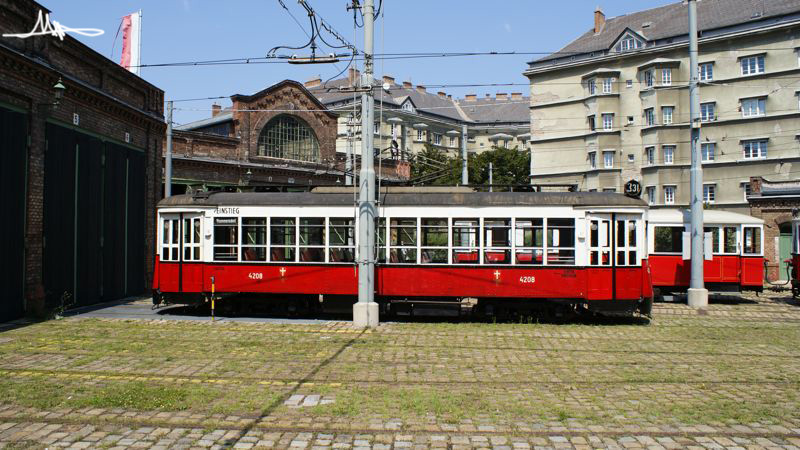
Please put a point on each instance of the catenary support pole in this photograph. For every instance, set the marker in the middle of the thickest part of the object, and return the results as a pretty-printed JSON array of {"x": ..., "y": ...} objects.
[
  {"x": 698, "y": 294},
  {"x": 168, "y": 157},
  {"x": 365, "y": 311},
  {"x": 464, "y": 171},
  {"x": 491, "y": 181},
  {"x": 348, "y": 164}
]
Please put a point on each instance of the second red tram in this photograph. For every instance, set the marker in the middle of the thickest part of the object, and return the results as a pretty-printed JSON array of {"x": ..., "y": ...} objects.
[
  {"x": 585, "y": 250},
  {"x": 736, "y": 249}
]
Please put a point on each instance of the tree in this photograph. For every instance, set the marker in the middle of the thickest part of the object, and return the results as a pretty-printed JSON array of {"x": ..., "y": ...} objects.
[
  {"x": 509, "y": 166},
  {"x": 434, "y": 167}
]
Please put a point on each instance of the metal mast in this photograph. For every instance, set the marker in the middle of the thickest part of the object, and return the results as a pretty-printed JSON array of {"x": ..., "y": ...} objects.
[
  {"x": 464, "y": 170},
  {"x": 698, "y": 295},
  {"x": 365, "y": 311},
  {"x": 168, "y": 157}
]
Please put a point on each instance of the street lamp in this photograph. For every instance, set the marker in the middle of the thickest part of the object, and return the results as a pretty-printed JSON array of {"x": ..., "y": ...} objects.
[{"x": 58, "y": 92}]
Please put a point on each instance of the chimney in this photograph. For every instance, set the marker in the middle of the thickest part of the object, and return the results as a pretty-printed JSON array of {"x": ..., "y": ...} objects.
[
  {"x": 407, "y": 85},
  {"x": 442, "y": 94},
  {"x": 516, "y": 96},
  {"x": 502, "y": 96},
  {"x": 599, "y": 19},
  {"x": 421, "y": 88},
  {"x": 353, "y": 74},
  {"x": 388, "y": 79},
  {"x": 314, "y": 82},
  {"x": 215, "y": 109},
  {"x": 470, "y": 98}
]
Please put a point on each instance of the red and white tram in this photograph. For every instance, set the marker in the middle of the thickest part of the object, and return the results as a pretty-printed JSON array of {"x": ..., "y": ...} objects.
[
  {"x": 736, "y": 249},
  {"x": 582, "y": 249}
]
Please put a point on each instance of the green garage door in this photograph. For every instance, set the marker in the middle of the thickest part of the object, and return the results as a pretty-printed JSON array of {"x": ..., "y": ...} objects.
[
  {"x": 93, "y": 219},
  {"x": 13, "y": 157}
]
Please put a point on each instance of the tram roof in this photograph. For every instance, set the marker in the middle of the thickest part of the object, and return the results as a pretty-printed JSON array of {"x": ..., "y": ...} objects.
[
  {"x": 406, "y": 197},
  {"x": 709, "y": 217}
]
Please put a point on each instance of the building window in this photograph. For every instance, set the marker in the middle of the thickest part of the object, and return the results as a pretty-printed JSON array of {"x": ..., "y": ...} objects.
[
  {"x": 288, "y": 137},
  {"x": 629, "y": 84},
  {"x": 407, "y": 106},
  {"x": 631, "y": 157},
  {"x": 669, "y": 153},
  {"x": 754, "y": 107},
  {"x": 707, "y": 111},
  {"x": 593, "y": 160},
  {"x": 608, "y": 122},
  {"x": 669, "y": 195},
  {"x": 706, "y": 71},
  {"x": 755, "y": 149},
  {"x": 437, "y": 139},
  {"x": 630, "y": 120},
  {"x": 629, "y": 43},
  {"x": 420, "y": 135},
  {"x": 452, "y": 141},
  {"x": 666, "y": 77},
  {"x": 752, "y": 65},
  {"x": 376, "y": 128},
  {"x": 648, "y": 78},
  {"x": 746, "y": 189},
  {"x": 592, "y": 86},
  {"x": 592, "y": 125},
  {"x": 651, "y": 195},
  {"x": 609, "y": 189},
  {"x": 708, "y": 151},
  {"x": 649, "y": 117},
  {"x": 606, "y": 85},
  {"x": 608, "y": 159},
  {"x": 666, "y": 114},
  {"x": 650, "y": 155},
  {"x": 709, "y": 193}
]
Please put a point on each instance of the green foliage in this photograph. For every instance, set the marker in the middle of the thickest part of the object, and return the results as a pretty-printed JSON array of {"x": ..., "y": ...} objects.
[{"x": 434, "y": 167}]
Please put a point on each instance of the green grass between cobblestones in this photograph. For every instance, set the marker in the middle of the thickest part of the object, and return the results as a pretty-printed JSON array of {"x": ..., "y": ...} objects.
[{"x": 678, "y": 369}]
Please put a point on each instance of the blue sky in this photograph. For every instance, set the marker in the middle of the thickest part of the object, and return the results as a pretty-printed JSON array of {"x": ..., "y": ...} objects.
[{"x": 189, "y": 30}]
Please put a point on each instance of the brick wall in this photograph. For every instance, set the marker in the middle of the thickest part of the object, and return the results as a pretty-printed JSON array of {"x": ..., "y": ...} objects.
[{"x": 109, "y": 101}]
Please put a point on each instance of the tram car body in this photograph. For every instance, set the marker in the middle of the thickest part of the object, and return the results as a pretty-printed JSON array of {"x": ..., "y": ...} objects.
[
  {"x": 737, "y": 251},
  {"x": 584, "y": 249}
]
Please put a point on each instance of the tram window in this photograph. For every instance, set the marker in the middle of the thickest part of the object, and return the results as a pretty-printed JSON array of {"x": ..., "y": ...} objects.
[
  {"x": 714, "y": 238},
  {"x": 752, "y": 240},
  {"x": 312, "y": 239},
  {"x": 254, "y": 239},
  {"x": 282, "y": 239},
  {"x": 226, "y": 239},
  {"x": 668, "y": 239},
  {"x": 529, "y": 240},
  {"x": 465, "y": 241},
  {"x": 626, "y": 243},
  {"x": 169, "y": 240},
  {"x": 560, "y": 241},
  {"x": 380, "y": 248},
  {"x": 341, "y": 240},
  {"x": 403, "y": 234},
  {"x": 729, "y": 239},
  {"x": 600, "y": 242},
  {"x": 434, "y": 241},
  {"x": 497, "y": 241},
  {"x": 191, "y": 239}
]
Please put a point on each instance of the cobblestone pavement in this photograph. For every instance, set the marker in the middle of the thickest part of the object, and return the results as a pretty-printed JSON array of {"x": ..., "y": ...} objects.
[{"x": 726, "y": 377}]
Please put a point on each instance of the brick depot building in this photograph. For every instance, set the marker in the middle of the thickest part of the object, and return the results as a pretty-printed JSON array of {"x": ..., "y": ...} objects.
[
  {"x": 281, "y": 135},
  {"x": 80, "y": 175},
  {"x": 774, "y": 202}
]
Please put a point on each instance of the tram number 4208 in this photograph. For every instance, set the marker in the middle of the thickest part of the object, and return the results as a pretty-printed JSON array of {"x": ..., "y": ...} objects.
[
  {"x": 529, "y": 279},
  {"x": 255, "y": 276}
]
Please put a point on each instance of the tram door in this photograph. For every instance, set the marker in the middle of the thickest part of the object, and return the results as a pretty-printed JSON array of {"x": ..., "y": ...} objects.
[
  {"x": 599, "y": 273},
  {"x": 181, "y": 253}
]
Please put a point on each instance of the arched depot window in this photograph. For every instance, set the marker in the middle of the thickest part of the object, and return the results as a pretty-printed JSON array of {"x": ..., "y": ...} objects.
[{"x": 288, "y": 137}]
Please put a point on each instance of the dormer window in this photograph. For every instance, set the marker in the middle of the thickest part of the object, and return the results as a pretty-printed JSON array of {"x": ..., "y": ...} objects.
[
  {"x": 629, "y": 42},
  {"x": 408, "y": 106}
]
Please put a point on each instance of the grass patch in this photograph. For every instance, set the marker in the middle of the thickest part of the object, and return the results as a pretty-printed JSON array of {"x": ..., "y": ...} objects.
[{"x": 138, "y": 396}]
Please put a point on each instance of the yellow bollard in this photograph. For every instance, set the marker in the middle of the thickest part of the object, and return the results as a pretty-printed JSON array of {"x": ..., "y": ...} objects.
[{"x": 212, "y": 299}]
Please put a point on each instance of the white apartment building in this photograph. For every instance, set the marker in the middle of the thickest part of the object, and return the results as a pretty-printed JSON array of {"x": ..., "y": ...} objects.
[{"x": 613, "y": 105}]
